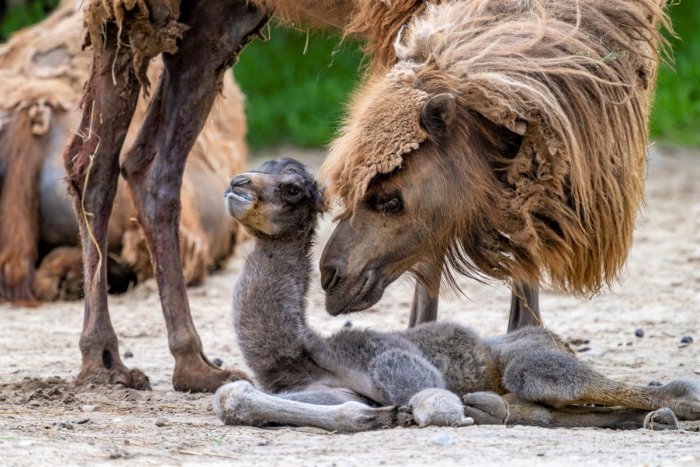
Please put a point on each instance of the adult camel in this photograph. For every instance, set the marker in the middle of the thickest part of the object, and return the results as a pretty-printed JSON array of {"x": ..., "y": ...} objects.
[{"x": 200, "y": 40}]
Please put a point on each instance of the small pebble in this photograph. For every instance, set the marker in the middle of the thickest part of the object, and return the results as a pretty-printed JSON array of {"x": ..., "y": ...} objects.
[
  {"x": 697, "y": 371},
  {"x": 217, "y": 362},
  {"x": 443, "y": 440},
  {"x": 583, "y": 349},
  {"x": 66, "y": 425},
  {"x": 81, "y": 420},
  {"x": 687, "y": 340},
  {"x": 655, "y": 383},
  {"x": 639, "y": 332},
  {"x": 161, "y": 422},
  {"x": 128, "y": 354},
  {"x": 88, "y": 408}
]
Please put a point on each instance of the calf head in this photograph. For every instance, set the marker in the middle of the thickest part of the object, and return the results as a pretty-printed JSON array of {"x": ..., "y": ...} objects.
[{"x": 280, "y": 200}]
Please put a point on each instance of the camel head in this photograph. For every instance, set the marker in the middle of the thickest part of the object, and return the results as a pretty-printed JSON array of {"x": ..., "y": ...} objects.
[
  {"x": 280, "y": 200},
  {"x": 506, "y": 142},
  {"x": 428, "y": 179}
]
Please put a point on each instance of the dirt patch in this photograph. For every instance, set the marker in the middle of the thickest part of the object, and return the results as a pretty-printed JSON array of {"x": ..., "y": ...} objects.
[{"x": 45, "y": 419}]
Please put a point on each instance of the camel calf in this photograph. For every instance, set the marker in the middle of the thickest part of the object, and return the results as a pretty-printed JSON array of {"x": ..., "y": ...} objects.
[{"x": 359, "y": 380}]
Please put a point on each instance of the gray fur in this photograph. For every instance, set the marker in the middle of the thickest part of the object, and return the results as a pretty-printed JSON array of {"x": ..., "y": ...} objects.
[{"x": 346, "y": 381}]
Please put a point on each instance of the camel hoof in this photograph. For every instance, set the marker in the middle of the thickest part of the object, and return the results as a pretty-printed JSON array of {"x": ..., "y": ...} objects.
[
  {"x": 486, "y": 408},
  {"x": 660, "y": 420},
  {"x": 201, "y": 376},
  {"x": 121, "y": 376}
]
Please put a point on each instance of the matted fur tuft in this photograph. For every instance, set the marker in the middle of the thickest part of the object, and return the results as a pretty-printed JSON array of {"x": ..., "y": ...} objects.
[{"x": 574, "y": 78}]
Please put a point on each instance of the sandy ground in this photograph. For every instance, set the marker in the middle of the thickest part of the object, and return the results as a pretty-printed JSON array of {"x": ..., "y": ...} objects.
[{"x": 45, "y": 420}]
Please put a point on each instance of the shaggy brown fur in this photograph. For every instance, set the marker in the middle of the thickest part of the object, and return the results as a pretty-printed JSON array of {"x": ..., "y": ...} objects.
[
  {"x": 42, "y": 71},
  {"x": 571, "y": 82}
]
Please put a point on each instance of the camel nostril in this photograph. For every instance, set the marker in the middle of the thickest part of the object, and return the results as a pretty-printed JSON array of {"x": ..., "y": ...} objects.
[
  {"x": 330, "y": 277},
  {"x": 240, "y": 180}
]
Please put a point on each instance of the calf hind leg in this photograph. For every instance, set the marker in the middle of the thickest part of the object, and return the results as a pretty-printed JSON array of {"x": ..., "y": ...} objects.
[
  {"x": 154, "y": 167},
  {"x": 488, "y": 408},
  {"x": 409, "y": 380},
  {"x": 558, "y": 380}
]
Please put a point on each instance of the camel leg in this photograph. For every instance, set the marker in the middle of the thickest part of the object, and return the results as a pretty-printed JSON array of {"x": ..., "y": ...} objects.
[
  {"x": 425, "y": 297},
  {"x": 240, "y": 403},
  {"x": 524, "y": 306},
  {"x": 488, "y": 408},
  {"x": 425, "y": 306},
  {"x": 92, "y": 165},
  {"x": 558, "y": 380},
  {"x": 154, "y": 167}
]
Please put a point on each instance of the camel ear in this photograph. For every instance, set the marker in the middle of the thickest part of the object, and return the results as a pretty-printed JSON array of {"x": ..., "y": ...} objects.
[
  {"x": 437, "y": 115},
  {"x": 321, "y": 203}
]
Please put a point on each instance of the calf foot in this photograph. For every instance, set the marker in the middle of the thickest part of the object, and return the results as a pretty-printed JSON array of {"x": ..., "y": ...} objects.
[
  {"x": 438, "y": 407},
  {"x": 662, "y": 419},
  {"x": 110, "y": 370},
  {"x": 486, "y": 408},
  {"x": 197, "y": 374},
  {"x": 404, "y": 416}
]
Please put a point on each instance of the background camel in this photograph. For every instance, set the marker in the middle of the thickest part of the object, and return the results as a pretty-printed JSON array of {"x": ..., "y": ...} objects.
[
  {"x": 357, "y": 379},
  {"x": 199, "y": 41},
  {"x": 42, "y": 73}
]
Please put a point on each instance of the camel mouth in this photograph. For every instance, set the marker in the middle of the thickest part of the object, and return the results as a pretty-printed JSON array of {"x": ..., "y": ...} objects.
[
  {"x": 353, "y": 296},
  {"x": 238, "y": 202}
]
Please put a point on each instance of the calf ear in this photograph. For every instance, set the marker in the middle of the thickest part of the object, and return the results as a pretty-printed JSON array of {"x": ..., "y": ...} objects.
[{"x": 437, "y": 115}]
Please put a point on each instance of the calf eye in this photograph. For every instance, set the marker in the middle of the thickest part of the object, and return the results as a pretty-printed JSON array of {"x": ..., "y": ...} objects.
[{"x": 293, "y": 190}]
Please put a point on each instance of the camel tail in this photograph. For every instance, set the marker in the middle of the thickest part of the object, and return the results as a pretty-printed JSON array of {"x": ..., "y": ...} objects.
[{"x": 23, "y": 139}]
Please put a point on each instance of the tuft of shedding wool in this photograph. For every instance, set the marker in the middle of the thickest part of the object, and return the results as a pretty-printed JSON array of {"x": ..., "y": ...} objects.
[
  {"x": 386, "y": 126},
  {"x": 379, "y": 22},
  {"x": 574, "y": 78},
  {"x": 148, "y": 27}
]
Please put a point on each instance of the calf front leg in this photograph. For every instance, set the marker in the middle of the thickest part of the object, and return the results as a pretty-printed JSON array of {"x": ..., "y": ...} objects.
[
  {"x": 92, "y": 165},
  {"x": 191, "y": 79},
  {"x": 240, "y": 403}
]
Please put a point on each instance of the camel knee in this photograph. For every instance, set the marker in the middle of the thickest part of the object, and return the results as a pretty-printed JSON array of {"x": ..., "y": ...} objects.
[
  {"x": 552, "y": 378},
  {"x": 232, "y": 403},
  {"x": 399, "y": 375}
]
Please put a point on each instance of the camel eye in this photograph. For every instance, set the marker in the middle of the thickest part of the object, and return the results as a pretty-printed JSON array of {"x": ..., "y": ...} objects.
[
  {"x": 291, "y": 190},
  {"x": 391, "y": 205}
]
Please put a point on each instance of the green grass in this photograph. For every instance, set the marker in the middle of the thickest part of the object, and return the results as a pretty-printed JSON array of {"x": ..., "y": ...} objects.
[
  {"x": 297, "y": 84},
  {"x": 20, "y": 15},
  {"x": 676, "y": 115}
]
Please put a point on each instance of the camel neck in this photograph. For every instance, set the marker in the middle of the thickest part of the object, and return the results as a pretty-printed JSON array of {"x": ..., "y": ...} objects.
[{"x": 269, "y": 307}]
